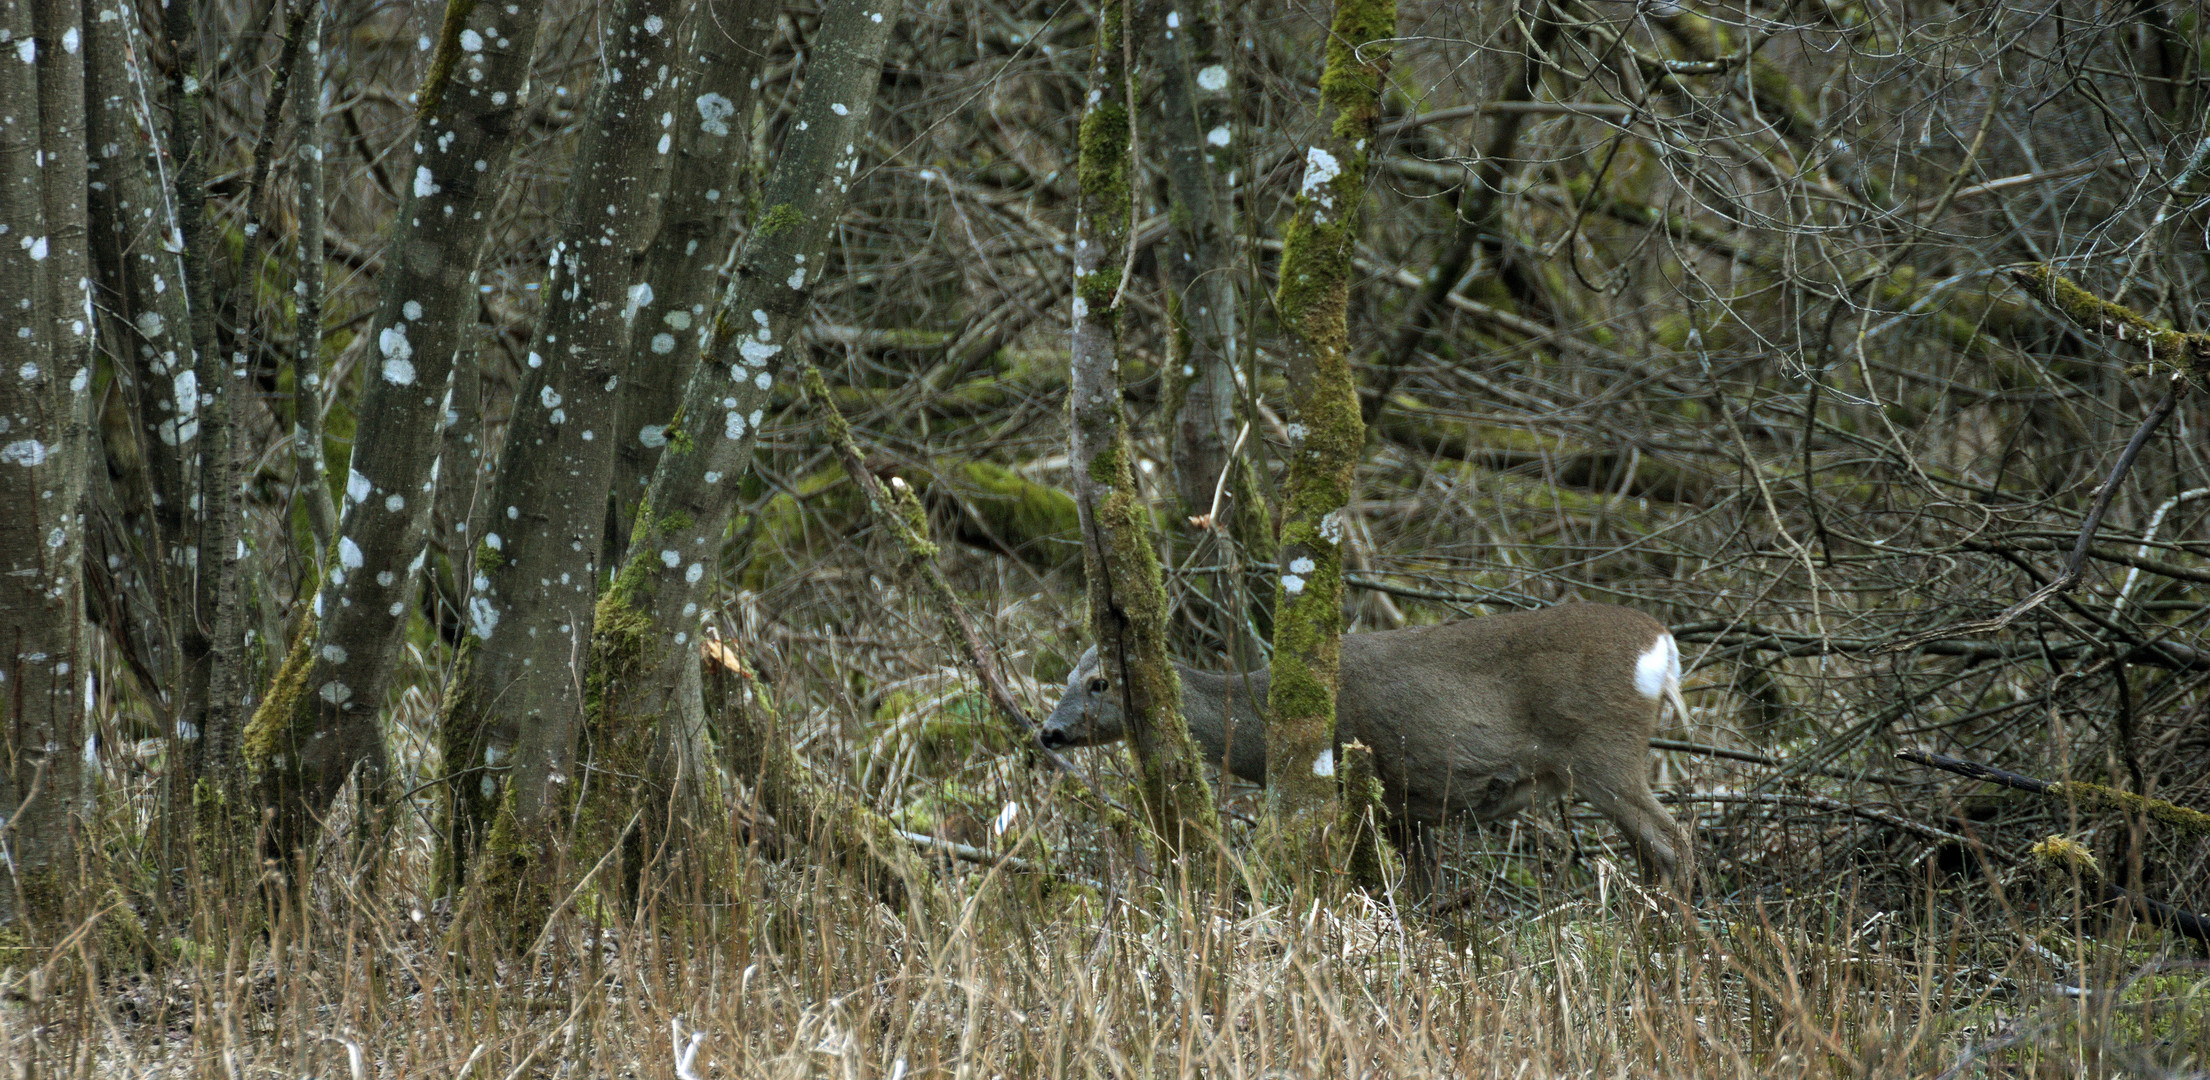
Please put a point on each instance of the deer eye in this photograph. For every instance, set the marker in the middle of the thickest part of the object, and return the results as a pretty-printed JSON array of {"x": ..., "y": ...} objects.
[{"x": 1097, "y": 685}]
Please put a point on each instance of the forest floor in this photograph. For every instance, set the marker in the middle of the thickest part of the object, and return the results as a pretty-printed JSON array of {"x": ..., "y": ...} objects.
[{"x": 1559, "y": 964}]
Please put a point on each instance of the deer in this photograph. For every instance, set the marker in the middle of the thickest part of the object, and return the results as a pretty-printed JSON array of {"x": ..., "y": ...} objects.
[{"x": 1476, "y": 718}]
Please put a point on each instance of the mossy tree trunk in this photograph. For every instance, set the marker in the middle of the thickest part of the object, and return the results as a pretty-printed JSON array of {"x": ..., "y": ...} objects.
[
  {"x": 727, "y": 42},
  {"x": 1327, "y": 433},
  {"x": 646, "y": 715},
  {"x": 1214, "y": 470},
  {"x": 316, "y": 727},
  {"x": 519, "y": 698},
  {"x": 45, "y": 397},
  {"x": 1127, "y": 595}
]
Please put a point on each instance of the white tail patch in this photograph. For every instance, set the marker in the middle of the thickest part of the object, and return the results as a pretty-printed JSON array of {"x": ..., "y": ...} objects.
[
  {"x": 1657, "y": 674},
  {"x": 1658, "y": 668},
  {"x": 1324, "y": 765}
]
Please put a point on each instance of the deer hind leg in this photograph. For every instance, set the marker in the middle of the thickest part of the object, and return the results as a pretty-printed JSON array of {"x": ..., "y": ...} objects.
[{"x": 1659, "y": 843}]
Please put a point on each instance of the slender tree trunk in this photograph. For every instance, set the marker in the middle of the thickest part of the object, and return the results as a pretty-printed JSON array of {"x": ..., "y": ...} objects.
[
  {"x": 188, "y": 182},
  {"x": 217, "y": 682},
  {"x": 317, "y": 726},
  {"x": 1127, "y": 594},
  {"x": 1327, "y": 434},
  {"x": 727, "y": 45},
  {"x": 1214, "y": 471},
  {"x": 645, "y": 657},
  {"x": 142, "y": 330},
  {"x": 530, "y": 608},
  {"x": 45, "y": 396},
  {"x": 310, "y": 470},
  {"x": 133, "y": 214}
]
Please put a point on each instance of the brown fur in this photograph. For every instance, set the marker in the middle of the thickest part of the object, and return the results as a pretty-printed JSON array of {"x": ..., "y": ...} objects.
[{"x": 1476, "y": 718}]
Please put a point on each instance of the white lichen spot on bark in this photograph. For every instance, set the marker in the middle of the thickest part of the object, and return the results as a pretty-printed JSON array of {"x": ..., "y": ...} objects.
[
  {"x": 1320, "y": 168},
  {"x": 483, "y": 617},
  {"x": 24, "y": 452},
  {"x": 398, "y": 355},
  {"x": 714, "y": 111}
]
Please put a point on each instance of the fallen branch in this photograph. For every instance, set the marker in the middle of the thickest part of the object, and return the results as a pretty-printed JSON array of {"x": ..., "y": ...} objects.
[
  {"x": 1817, "y": 802},
  {"x": 970, "y": 853},
  {"x": 1761, "y": 759},
  {"x": 2094, "y": 796},
  {"x": 2086, "y": 795}
]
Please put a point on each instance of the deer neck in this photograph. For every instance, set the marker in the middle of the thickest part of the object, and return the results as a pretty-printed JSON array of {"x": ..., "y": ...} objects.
[{"x": 1217, "y": 706}]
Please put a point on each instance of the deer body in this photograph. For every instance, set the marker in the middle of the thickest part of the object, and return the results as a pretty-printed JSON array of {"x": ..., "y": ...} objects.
[{"x": 1476, "y": 718}]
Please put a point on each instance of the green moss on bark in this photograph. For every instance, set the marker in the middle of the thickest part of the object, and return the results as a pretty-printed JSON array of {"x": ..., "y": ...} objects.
[
  {"x": 1328, "y": 432},
  {"x": 2188, "y": 352},
  {"x": 448, "y": 52},
  {"x": 521, "y": 867},
  {"x": 2101, "y": 797},
  {"x": 781, "y": 218},
  {"x": 285, "y": 719}
]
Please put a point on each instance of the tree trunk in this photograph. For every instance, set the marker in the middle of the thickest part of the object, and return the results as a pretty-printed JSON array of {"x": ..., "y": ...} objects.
[
  {"x": 310, "y": 470},
  {"x": 188, "y": 180},
  {"x": 317, "y": 726},
  {"x": 45, "y": 396},
  {"x": 142, "y": 330},
  {"x": 1312, "y": 299},
  {"x": 519, "y": 698},
  {"x": 1214, "y": 471},
  {"x": 1127, "y": 595},
  {"x": 645, "y": 657},
  {"x": 728, "y": 44}
]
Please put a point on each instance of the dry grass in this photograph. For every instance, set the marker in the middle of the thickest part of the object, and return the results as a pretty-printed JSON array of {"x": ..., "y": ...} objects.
[{"x": 789, "y": 970}]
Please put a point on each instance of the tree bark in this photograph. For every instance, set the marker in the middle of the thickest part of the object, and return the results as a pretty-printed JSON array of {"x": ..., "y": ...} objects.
[
  {"x": 310, "y": 469},
  {"x": 1214, "y": 474},
  {"x": 45, "y": 396},
  {"x": 142, "y": 330},
  {"x": 727, "y": 46},
  {"x": 1127, "y": 594},
  {"x": 519, "y": 698},
  {"x": 317, "y": 726},
  {"x": 201, "y": 637},
  {"x": 646, "y": 706},
  {"x": 1327, "y": 434}
]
